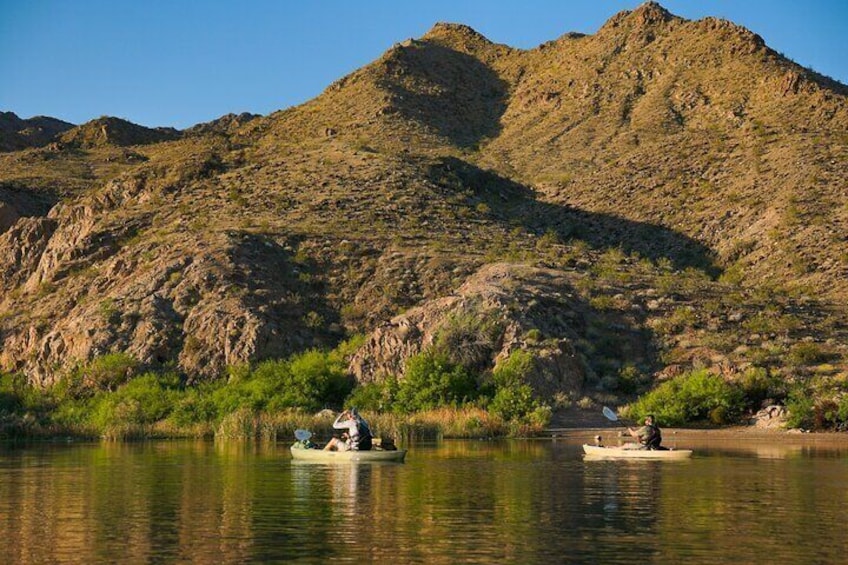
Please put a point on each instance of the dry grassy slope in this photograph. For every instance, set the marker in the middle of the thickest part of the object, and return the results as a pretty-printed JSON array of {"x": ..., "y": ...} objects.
[
  {"x": 252, "y": 237},
  {"x": 696, "y": 126}
]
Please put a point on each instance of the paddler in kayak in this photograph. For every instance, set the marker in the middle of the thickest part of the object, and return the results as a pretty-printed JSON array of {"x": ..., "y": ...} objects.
[
  {"x": 649, "y": 435},
  {"x": 357, "y": 436}
]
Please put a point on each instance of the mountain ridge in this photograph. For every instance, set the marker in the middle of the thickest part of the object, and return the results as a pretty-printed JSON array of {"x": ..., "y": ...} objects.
[{"x": 655, "y": 150}]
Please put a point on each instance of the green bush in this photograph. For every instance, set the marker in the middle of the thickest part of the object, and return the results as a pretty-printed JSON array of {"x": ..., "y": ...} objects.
[
  {"x": 195, "y": 406},
  {"x": 141, "y": 402},
  {"x": 431, "y": 380},
  {"x": 819, "y": 403},
  {"x": 374, "y": 397},
  {"x": 310, "y": 380},
  {"x": 699, "y": 396},
  {"x": 17, "y": 396},
  {"x": 807, "y": 353},
  {"x": 106, "y": 372},
  {"x": 514, "y": 400},
  {"x": 758, "y": 385}
]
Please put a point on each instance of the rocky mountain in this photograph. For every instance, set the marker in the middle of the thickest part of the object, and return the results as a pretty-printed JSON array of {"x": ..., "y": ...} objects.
[
  {"x": 108, "y": 131},
  {"x": 17, "y": 133},
  {"x": 659, "y": 195}
]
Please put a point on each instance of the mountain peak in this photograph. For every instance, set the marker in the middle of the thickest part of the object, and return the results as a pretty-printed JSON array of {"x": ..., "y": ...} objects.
[
  {"x": 651, "y": 13},
  {"x": 648, "y": 15},
  {"x": 108, "y": 130},
  {"x": 456, "y": 36},
  {"x": 17, "y": 133}
]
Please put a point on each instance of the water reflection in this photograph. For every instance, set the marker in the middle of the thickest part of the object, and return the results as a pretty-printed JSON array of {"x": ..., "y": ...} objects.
[{"x": 475, "y": 502}]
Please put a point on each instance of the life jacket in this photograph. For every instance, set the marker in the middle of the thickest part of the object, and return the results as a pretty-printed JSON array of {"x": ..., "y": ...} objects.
[
  {"x": 362, "y": 441},
  {"x": 654, "y": 437}
]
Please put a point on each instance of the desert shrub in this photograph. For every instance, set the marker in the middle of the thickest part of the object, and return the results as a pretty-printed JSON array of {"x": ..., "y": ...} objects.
[
  {"x": 140, "y": 402},
  {"x": 431, "y": 380},
  {"x": 106, "y": 372},
  {"x": 377, "y": 397},
  {"x": 513, "y": 399},
  {"x": 629, "y": 378},
  {"x": 699, "y": 396},
  {"x": 758, "y": 385},
  {"x": 469, "y": 339},
  {"x": 194, "y": 406},
  {"x": 807, "y": 353},
  {"x": 534, "y": 335}
]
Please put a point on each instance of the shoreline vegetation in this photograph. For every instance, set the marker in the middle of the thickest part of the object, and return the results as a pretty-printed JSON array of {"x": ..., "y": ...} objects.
[
  {"x": 115, "y": 397},
  {"x": 112, "y": 397}
]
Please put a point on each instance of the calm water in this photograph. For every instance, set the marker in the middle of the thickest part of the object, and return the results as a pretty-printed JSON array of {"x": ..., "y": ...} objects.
[{"x": 456, "y": 502}]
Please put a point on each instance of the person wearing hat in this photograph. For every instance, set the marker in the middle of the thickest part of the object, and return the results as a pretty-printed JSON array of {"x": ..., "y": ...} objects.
[
  {"x": 357, "y": 436},
  {"x": 649, "y": 435}
]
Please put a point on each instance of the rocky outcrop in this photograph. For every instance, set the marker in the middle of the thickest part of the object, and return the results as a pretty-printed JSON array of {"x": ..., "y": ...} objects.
[
  {"x": 528, "y": 307},
  {"x": 109, "y": 131}
]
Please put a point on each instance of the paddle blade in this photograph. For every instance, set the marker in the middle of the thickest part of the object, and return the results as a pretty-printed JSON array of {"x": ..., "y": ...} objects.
[
  {"x": 302, "y": 435},
  {"x": 610, "y": 415}
]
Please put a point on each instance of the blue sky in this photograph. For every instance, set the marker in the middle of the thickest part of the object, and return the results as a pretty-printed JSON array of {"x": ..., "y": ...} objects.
[{"x": 181, "y": 62}]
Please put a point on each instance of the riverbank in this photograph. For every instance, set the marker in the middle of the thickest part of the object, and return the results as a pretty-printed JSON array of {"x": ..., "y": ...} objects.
[{"x": 705, "y": 438}]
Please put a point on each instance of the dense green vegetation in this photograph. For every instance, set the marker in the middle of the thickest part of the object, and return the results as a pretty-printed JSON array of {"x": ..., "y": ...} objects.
[
  {"x": 701, "y": 397},
  {"x": 107, "y": 397}
]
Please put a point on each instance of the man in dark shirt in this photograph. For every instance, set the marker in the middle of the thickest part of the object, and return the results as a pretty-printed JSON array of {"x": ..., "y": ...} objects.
[{"x": 649, "y": 435}]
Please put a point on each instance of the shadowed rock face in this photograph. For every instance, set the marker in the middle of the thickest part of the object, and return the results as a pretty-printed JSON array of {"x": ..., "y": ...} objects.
[
  {"x": 17, "y": 133},
  {"x": 593, "y": 196}
]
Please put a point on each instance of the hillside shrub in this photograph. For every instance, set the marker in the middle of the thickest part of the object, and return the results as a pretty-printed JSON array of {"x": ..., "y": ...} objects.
[
  {"x": 376, "y": 397},
  {"x": 141, "y": 402},
  {"x": 758, "y": 385},
  {"x": 696, "y": 397},
  {"x": 469, "y": 340},
  {"x": 514, "y": 400},
  {"x": 106, "y": 372},
  {"x": 431, "y": 380},
  {"x": 807, "y": 353}
]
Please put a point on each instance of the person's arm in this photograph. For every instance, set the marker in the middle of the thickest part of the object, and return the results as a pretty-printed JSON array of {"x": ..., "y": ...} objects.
[
  {"x": 338, "y": 424},
  {"x": 349, "y": 425}
]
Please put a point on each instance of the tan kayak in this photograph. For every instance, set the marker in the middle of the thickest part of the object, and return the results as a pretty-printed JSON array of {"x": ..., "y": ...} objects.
[
  {"x": 597, "y": 452},
  {"x": 303, "y": 454}
]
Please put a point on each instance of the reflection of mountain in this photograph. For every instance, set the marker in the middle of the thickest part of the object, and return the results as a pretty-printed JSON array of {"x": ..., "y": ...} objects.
[{"x": 237, "y": 503}]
